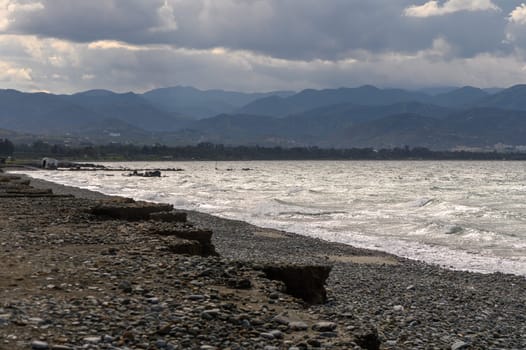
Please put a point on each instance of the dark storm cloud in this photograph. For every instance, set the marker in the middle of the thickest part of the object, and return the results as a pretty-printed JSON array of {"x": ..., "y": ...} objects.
[
  {"x": 256, "y": 45},
  {"x": 296, "y": 29},
  {"x": 85, "y": 21}
]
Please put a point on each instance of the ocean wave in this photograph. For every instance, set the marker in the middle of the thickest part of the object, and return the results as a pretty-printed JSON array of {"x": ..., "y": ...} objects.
[
  {"x": 302, "y": 213},
  {"x": 422, "y": 202}
]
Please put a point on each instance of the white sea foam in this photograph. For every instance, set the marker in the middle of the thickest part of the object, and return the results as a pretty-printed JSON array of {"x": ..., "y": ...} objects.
[{"x": 463, "y": 215}]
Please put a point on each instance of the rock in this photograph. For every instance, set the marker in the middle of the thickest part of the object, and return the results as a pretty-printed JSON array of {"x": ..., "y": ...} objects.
[
  {"x": 368, "y": 339},
  {"x": 61, "y": 347},
  {"x": 398, "y": 308},
  {"x": 196, "y": 297},
  {"x": 277, "y": 334},
  {"x": 328, "y": 335},
  {"x": 125, "y": 286},
  {"x": 460, "y": 345},
  {"x": 153, "y": 300},
  {"x": 164, "y": 329},
  {"x": 266, "y": 335},
  {"x": 36, "y": 320},
  {"x": 169, "y": 216},
  {"x": 324, "y": 326},
  {"x": 314, "y": 343},
  {"x": 4, "y": 318},
  {"x": 107, "y": 338},
  {"x": 204, "y": 237},
  {"x": 298, "y": 326},
  {"x": 187, "y": 247},
  {"x": 281, "y": 319},
  {"x": 274, "y": 295},
  {"x": 242, "y": 283},
  {"x": 160, "y": 344},
  {"x": 92, "y": 340},
  {"x": 210, "y": 314},
  {"x": 39, "y": 345},
  {"x": 302, "y": 281},
  {"x": 130, "y": 211}
]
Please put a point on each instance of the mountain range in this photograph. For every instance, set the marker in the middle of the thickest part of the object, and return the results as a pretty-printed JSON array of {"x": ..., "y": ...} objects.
[{"x": 365, "y": 116}]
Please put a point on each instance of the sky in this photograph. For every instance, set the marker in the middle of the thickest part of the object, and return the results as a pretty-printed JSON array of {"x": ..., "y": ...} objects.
[{"x": 65, "y": 46}]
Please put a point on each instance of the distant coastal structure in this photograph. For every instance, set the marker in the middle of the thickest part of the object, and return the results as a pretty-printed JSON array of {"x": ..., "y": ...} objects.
[{"x": 49, "y": 163}]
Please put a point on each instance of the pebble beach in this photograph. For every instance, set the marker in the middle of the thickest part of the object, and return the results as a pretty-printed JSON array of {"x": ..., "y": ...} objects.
[{"x": 69, "y": 280}]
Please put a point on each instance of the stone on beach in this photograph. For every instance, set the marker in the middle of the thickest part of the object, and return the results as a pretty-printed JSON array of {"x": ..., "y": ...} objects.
[
  {"x": 460, "y": 345},
  {"x": 39, "y": 345},
  {"x": 188, "y": 247},
  {"x": 306, "y": 282},
  {"x": 324, "y": 326},
  {"x": 200, "y": 240},
  {"x": 129, "y": 210},
  {"x": 168, "y": 222},
  {"x": 368, "y": 339},
  {"x": 168, "y": 216}
]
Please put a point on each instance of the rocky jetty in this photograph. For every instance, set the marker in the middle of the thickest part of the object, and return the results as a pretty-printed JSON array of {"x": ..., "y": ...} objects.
[{"x": 92, "y": 272}]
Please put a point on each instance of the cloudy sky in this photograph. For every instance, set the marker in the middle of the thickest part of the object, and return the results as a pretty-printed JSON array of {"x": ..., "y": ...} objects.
[{"x": 66, "y": 46}]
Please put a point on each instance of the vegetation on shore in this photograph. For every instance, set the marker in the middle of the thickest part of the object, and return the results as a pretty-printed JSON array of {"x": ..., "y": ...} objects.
[{"x": 209, "y": 151}]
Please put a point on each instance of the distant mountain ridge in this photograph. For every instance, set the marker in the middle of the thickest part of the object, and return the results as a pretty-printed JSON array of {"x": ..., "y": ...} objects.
[
  {"x": 310, "y": 99},
  {"x": 197, "y": 104},
  {"x": 365, "y": 116}
]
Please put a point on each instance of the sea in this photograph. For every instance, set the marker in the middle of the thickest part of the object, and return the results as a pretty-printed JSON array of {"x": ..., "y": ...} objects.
[{"x": 462, "y": 215}]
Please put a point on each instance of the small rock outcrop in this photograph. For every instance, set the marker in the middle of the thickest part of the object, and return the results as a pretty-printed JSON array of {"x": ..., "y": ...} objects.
[
  {"x": 129, "y": 210},
  {"x": 160, "y": 219},
  {"x": 12, "y": 186},
  {"x": 203, "y": 238},
  {"x": 368, "y": 339},
  {"x": 189, "y": 247},
  {"x": 304, "y": 282},
  {"x": 169, "y": 216}
]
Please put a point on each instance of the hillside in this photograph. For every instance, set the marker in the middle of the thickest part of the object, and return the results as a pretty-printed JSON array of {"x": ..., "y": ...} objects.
[
  {"x": 345, "y": 117},
  {"x": 193, "y": 103}
]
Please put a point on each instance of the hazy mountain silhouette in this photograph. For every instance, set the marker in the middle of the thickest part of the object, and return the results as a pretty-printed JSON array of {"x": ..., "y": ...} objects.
[
  {"x": 310, "y": 99},
  {"x": 345, "y": 117},
  {"x": 513, "y": 98},
  {"x": 197, "y": 104},
  {"x": 128, "y": 107},
  {"x": 462, "y": 97}
]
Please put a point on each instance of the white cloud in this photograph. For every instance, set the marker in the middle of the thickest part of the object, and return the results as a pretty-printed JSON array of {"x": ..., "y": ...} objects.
[
  {"x": 518, "y": 15},
  {"x": 167, "y": 22},
  {"x": 122, "y": 67},
  {"x": 9, "y": 8},
  {"x": 255, "y": 45},
  {"x": 11, "y": 73},
  {"x": 113, "y": 44},
  {"x": 440, "y": 49},
  {"x": 433, "y": 8},
  {"x": 88, "y": 77}
]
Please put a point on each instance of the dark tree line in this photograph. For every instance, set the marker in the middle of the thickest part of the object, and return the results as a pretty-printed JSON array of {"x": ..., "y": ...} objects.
[
  {"x": 6, "y": 148},
  {"x": 209, "y": 151}
]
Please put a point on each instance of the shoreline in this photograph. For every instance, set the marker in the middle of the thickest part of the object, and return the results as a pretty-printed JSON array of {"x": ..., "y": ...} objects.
[
  {"x": 222, "y": 237},
  {"x": 408, "y": 304},
  {"x": 469, "y": 262}
]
